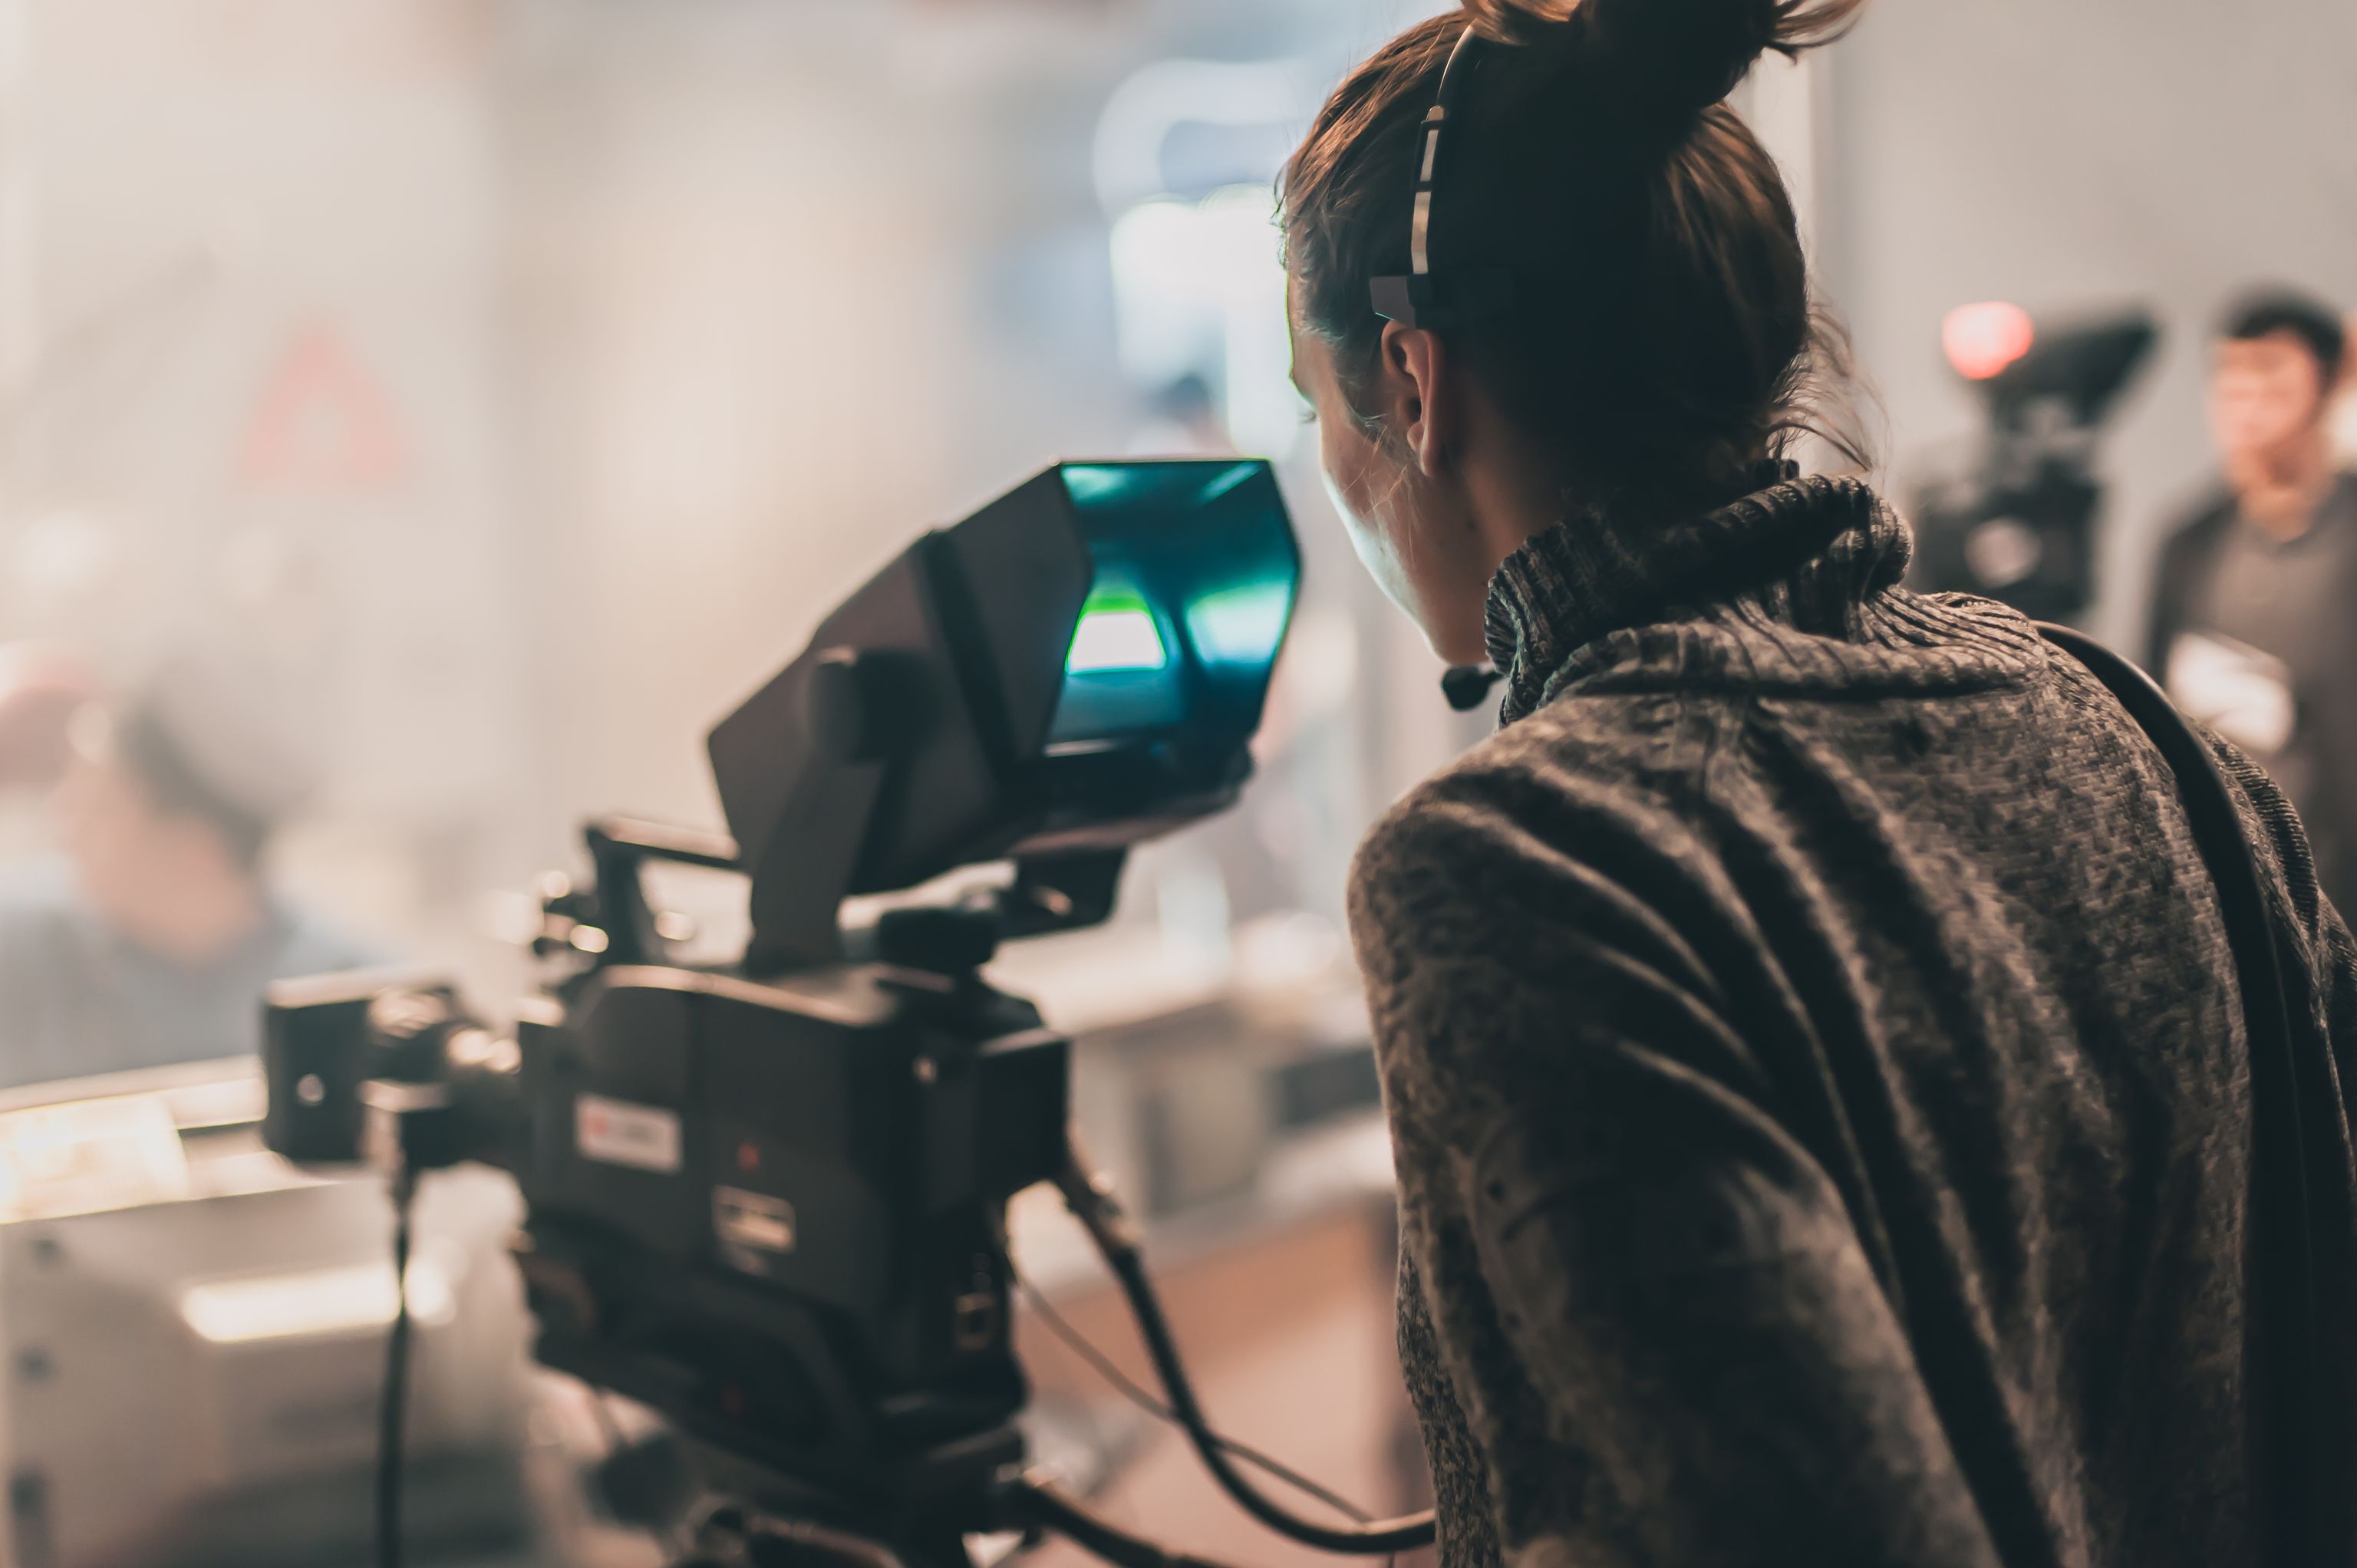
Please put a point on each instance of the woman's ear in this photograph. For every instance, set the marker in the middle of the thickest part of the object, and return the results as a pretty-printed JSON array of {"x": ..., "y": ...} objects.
[{"x": 1418, "y": 402}]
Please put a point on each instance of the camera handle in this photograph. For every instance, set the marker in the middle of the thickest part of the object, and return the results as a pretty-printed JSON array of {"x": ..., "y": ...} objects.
[
  {"x": 616, "y": 902},
  {"x": 1049, "y": 893}
]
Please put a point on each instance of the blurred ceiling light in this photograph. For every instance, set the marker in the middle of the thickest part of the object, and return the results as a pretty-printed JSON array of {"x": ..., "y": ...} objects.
[
  {"x": 1201, "y": 284},
  {"x": 1981, "y": 340},
  {"x": 353, "y": 1300},
  {"x": 1198, "y": 283},
  {"x": 1158, "y": 99}
]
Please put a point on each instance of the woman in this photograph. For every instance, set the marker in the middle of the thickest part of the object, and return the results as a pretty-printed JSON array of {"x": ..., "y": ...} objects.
[{"x": 1809, "y": 1036}]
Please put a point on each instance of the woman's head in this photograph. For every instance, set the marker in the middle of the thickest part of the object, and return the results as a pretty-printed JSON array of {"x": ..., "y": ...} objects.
[{"x": 1658, "y": 340}]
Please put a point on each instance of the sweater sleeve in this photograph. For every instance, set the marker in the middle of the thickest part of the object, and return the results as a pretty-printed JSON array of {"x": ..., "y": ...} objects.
[{"x": 1668, "y": 1340}]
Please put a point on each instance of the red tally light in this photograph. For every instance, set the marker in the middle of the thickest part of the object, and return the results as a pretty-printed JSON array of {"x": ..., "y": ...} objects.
[{"x": 1983, "y": 339}]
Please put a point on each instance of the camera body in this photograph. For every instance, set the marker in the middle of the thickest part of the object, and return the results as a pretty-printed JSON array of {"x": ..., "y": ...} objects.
[
  {"x": 2024, "y": 534},
  {"x": 773, "y": 1211},
  {"x": 768, "y": 1199},
  {"x": 2021, "y": 523}
]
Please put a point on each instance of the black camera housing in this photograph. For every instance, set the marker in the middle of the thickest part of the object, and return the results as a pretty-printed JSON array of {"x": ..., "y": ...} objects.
[
  {"x": 768, "y": 1199},
  {"x": 773, "y": 1211},
  {"x": 952, "y": 711},
  {"x": 2021, "y": 524}
]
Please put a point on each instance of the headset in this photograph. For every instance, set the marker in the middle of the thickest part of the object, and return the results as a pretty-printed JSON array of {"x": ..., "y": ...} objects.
[{"x": 1421, "y": 299}]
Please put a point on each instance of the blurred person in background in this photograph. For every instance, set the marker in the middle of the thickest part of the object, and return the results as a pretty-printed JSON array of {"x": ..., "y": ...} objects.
[
  {"x": 149, "y": 939},
  {"x": 2254, "y": 621},
  {"x": 1812, "y": 1045},
  {"x": 40, "y": 690},
  {"x": 41, "y": 685}
]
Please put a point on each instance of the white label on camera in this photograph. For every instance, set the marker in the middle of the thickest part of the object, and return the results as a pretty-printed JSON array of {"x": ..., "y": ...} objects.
[
  {"x": 752, "y": 1221},
  {"x": 617, "y": 1132}
]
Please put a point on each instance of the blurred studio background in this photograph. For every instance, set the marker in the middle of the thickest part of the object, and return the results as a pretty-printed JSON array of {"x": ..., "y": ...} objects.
[{"x": 419, "y": 420}]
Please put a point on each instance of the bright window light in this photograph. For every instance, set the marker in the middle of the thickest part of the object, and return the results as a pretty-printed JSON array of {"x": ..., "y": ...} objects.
[
  {"x": 353, "y": 1300},
  {"x": 1199, "y": 287}
]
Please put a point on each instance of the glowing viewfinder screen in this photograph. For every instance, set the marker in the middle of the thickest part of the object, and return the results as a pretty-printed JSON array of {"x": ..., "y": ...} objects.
[
  {"x": 1196, "y": 573},
  {"x": 1116, "y": 635}
]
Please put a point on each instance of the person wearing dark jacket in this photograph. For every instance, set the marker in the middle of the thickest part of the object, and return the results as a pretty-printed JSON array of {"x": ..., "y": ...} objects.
[
  {"x": 1812, "y": 1048},
  {"x": 2255, "y": 615},
  {"x": 149, "y": 941}
]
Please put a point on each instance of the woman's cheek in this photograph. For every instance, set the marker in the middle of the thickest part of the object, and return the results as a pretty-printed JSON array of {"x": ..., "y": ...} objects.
[
  {"x": 1347, "y": 486},
  {"x": 1356, "y": 482}
]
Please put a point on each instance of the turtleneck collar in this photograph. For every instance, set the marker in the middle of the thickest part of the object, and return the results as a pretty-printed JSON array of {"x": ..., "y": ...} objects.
[{"x": 1809, "y": 552}]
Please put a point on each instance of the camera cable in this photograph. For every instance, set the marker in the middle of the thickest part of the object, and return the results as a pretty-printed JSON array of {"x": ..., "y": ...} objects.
[
  {"x": 1103, "y": 1365},
  {"x": 1091, "y": 1202},
  {"x": 392, "y": 1410},
  {"x": 1032, "y": 1506}
]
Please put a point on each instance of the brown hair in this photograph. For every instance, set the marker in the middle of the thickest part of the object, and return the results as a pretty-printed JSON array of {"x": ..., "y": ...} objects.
[{"x": 1661, "y": 336}]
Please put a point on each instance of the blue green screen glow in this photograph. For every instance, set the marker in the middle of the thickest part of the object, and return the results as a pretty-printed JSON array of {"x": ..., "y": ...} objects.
[{"x": 1195, "y": 577}]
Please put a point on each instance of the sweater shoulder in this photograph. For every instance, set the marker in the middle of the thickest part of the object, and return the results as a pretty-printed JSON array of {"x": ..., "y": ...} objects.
[
  {"x": 1591, "y": 790},
  {"x": 1611, "y": 755}
]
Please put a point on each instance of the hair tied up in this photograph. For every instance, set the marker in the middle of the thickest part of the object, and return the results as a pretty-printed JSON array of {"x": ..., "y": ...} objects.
[{"x": 1680, "y": 56}]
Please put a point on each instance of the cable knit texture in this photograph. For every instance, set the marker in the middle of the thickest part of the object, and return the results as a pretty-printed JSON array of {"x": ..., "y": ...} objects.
[{"x": 1816, "y": 1078}]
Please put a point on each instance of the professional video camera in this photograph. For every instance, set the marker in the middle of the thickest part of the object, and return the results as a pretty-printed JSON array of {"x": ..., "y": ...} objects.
[
  {"x": 768, "y": 1199},
  {"x": 2019, "y": 525}
]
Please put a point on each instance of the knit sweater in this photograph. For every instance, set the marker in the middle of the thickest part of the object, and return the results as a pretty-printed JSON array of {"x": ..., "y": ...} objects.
[{"x": 1817, "y": 1080}]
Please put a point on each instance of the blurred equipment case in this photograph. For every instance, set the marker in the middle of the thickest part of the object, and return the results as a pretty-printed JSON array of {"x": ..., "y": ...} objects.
[{"x": 195, "y": 1338}]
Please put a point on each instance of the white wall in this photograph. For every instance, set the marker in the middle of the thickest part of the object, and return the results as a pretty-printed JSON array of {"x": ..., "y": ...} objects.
[
  {"x": 2070, "y": 153},
  {"x": 253, "y": 398}
]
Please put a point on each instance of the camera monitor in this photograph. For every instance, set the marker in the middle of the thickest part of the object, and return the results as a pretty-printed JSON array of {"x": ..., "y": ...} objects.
[{"x": 1078, "y": 666}]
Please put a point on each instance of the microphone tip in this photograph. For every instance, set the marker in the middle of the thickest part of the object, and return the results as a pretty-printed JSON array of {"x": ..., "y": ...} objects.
[{"x": 1467, "y": 686}]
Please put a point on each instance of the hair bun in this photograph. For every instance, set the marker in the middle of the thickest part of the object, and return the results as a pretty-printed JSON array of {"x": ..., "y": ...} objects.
[{"x": 1682, "y": 54}]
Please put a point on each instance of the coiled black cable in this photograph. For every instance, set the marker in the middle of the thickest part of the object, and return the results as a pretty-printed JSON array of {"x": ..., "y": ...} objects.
[
  {"x": 1099, "y": 1362},
  {"x": 1093, "y": 1204},
  {"x": 1030, "y": 1506}
]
